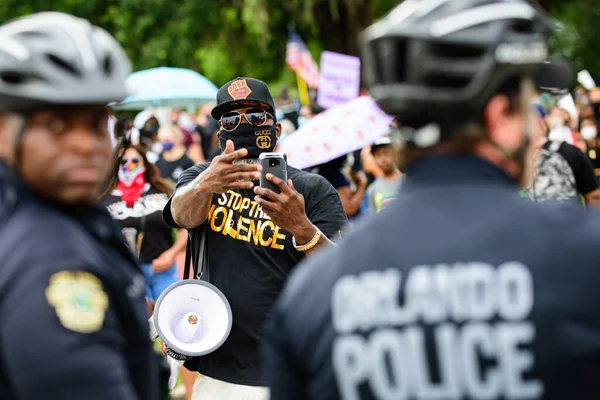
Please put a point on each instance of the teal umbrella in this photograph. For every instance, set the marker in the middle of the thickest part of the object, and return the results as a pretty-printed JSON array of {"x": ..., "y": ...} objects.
[{"x": 166, "y": 87}]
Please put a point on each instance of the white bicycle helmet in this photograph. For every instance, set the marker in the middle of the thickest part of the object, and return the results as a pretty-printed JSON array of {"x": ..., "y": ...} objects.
[{"x": 50, "y": 59}]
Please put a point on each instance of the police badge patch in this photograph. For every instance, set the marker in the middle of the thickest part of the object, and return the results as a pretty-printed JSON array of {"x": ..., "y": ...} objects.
[{"x": 79, "y": 300}]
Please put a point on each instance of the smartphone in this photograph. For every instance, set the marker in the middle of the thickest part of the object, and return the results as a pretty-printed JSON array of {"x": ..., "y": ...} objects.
[{"x": 274, "y": 163}]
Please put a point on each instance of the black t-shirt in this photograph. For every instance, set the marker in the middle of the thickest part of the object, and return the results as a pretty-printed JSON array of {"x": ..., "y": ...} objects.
[
  {"x": 583, "y": 170},
  {"x": 146, "y": 211},
  {"x": 332, "y": 171},
  {"x": 249, "y": 258},
  {"x": 172, "y": 170},
  {"x": 335, "y": 177},
  {"x": 593, "y": 154}
]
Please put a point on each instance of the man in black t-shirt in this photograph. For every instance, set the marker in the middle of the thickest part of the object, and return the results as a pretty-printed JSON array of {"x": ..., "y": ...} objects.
[
  {"x": 583, "y": 170},
  {"x": 254, "y": 237}
]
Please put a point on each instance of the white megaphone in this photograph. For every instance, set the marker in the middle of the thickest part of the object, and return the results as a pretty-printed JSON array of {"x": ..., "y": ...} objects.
[{"x": 192, "y": 317}]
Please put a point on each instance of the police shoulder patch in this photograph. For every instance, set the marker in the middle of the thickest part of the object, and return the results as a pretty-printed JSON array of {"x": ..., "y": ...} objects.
[{"x": 79, "y": 300}]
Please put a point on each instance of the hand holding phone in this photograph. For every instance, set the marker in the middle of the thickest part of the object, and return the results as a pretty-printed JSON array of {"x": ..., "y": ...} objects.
[
  {"x": 273, "y": 163},
  {"x": 281, "y": 202}
]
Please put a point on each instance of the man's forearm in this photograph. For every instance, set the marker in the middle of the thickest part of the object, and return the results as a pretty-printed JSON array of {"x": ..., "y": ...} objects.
[
  {"x": 180, "y": 242},
  {"x": 351, "y": 201},
  {"x": 592, "y": 199},
  {"x": 322, "y": 243},
  {"x": 305, "y": 234},
  {"x": 190, "y": 205},
  {"x": 358, "y": 197}
]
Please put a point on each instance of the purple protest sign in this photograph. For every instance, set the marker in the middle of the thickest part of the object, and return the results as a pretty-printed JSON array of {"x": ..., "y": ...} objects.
[{"x": 339, "y": 79}]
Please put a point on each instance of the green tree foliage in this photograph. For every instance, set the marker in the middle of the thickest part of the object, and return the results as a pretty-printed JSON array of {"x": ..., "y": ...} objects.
[
  {"x": 579, "y": 38},
  {"x": 219, "y": 38},
  {"x": 223, "y": 39}
]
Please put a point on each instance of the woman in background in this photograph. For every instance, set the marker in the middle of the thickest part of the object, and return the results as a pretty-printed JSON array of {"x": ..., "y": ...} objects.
[
  {"x": 173, "y": 159},
  {"x": 148, "y": 139},
  {"x": 135, "y": 198},
  {"x": 287, "y": 129},
  {"x": 123, "y": 125},
  {"x": 559, "y": 121},
  {"x": 206, "y": 129},
  {"x": 589, "y": 134}
]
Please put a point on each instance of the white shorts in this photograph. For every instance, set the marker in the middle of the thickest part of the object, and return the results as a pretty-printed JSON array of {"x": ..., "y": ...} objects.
[{"x": 206, "y": 388}]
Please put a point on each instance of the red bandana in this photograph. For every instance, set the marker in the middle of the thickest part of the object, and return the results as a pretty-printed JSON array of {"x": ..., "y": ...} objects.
[{"x": 131, "y": 184}]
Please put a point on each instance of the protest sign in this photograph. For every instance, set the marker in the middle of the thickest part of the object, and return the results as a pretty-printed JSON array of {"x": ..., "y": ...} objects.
[
  {"x": 586, "y": 79},
  {"x": 339, "y": 79}
]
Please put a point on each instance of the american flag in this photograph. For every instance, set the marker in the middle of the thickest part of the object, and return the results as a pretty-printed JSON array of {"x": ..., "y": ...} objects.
[{"x": 300, "y": 61}]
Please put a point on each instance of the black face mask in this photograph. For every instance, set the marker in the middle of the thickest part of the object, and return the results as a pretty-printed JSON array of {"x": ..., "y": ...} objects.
[
  {"x": 150, "y": 131},
  {"x": 256, "y": 139}
]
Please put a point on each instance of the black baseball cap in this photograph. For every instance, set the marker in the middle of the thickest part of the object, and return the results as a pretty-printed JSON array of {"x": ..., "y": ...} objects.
[
  {"x": 243, "y": 92},
  {"x": 555, "y": 74}
]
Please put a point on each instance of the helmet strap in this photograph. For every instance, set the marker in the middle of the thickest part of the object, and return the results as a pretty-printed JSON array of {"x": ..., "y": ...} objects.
[
  {"x": 18, "y": 148},
  {"x": 527, "y": 92}
]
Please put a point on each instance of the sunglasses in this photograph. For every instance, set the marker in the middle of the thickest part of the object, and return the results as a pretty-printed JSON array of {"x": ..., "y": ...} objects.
[
  {"x": 255, "y": 116},
  {"x": 133, "y": 160}
]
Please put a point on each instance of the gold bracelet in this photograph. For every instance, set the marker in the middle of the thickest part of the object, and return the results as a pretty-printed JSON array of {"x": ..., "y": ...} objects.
[{"x": 312, "y": 243}]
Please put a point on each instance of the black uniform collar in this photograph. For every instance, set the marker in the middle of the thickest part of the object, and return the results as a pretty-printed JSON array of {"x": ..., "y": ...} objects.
[
  {"x": 467, "y": 169},
  {"x": 12, "y": 189},
  {"x": 8, "y": 176}
]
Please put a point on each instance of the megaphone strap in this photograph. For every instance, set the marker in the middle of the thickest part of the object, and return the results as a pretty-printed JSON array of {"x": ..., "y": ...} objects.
[
  {"x": 188, "y": 259},
  {"x": 176, "y": 356},
  {"x": 198, "y": 264}
]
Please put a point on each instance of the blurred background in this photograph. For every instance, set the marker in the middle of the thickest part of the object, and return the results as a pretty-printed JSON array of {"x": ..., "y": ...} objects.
[{"x": 222, "y": 39}]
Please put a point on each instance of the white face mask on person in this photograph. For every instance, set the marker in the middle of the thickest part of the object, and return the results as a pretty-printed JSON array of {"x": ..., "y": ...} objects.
[
  {"x": 589, "y": 132},
  {"x": 557, "y": 122}
]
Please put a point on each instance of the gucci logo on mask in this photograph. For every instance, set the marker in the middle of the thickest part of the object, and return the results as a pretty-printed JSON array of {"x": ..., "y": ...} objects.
[{"x": 263, "y": 142}]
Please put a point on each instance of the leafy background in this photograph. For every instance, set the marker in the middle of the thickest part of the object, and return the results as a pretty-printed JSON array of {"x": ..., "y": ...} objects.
[{"x": 223, "y": 39}]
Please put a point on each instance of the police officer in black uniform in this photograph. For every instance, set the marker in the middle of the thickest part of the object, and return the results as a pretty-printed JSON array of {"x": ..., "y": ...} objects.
[
  {"x": 73, "y": 319},
  {"x": 459, "y": 289}
]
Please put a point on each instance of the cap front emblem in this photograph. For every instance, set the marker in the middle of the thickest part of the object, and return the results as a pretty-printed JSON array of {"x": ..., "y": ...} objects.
[{"x": 239, "y": 89}]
